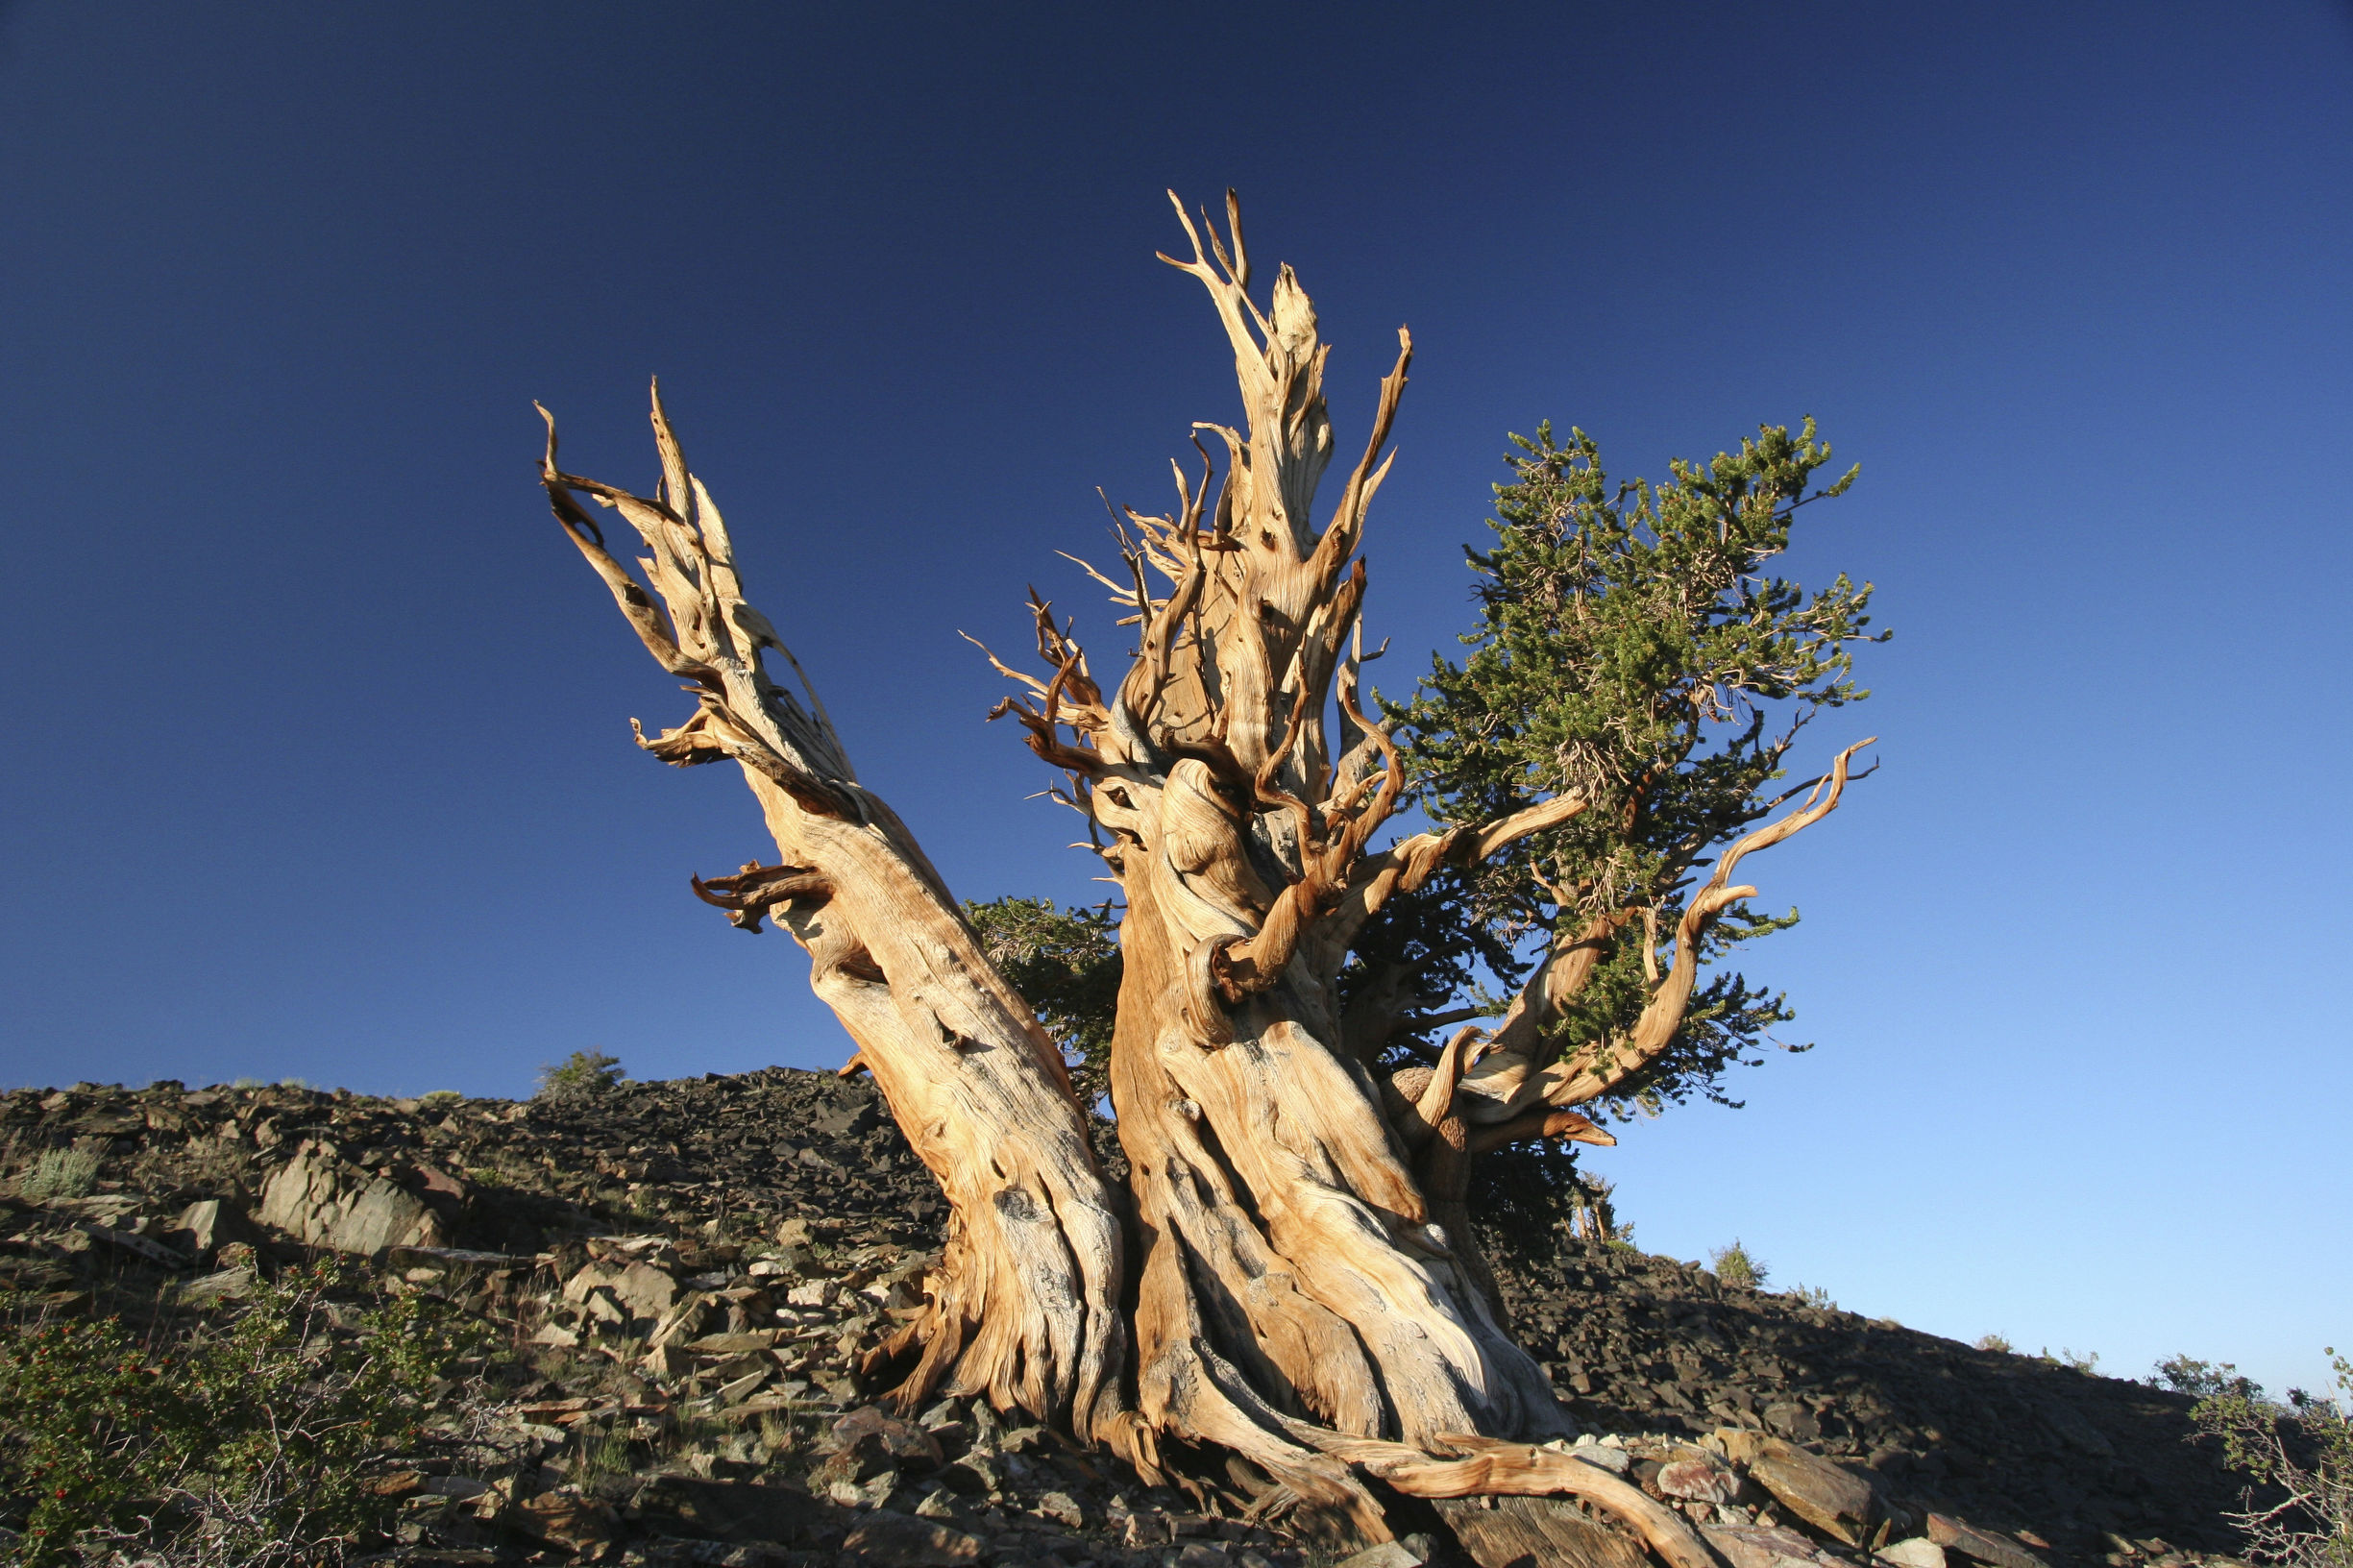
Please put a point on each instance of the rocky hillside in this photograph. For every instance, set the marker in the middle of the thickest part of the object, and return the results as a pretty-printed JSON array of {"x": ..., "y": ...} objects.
[{"x": 685, "y": 1274}]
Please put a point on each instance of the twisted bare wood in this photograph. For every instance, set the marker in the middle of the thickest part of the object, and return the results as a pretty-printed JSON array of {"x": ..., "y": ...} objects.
[
  {"x": 1025, "y": 1307},
  {"x": 1306, "y": 1293}
]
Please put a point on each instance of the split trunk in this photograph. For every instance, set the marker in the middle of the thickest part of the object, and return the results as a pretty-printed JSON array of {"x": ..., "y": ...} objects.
[{"x": 1295, "y": 1282}]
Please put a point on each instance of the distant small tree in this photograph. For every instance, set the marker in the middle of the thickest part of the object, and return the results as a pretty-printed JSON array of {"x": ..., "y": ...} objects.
[
  {"x": 579, "y": 1075},
  {"x": 1735, "y": 1266}
]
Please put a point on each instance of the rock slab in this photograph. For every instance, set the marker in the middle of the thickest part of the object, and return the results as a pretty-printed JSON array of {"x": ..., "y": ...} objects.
[
  {"x": 329, "y": 1203},
  {"x": 884, "y": 1537},
  {"x": 1836, "y": 1502},
  {"x": 1982, "y": 1545}
]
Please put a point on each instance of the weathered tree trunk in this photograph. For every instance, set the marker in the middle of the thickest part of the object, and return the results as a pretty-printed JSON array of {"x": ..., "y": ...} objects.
[
  {"x": 1305, "y": 1294},
  {"x": 1025, "y": 1307}
]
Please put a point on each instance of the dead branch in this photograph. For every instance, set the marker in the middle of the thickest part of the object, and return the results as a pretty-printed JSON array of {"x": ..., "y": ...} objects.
[
  {"x": 1600, "y": 1067},
  {"x": 1025, "y": 1306}
]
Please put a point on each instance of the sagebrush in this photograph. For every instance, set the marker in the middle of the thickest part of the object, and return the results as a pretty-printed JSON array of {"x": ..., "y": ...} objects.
[{"x": 241, "y": 1443}]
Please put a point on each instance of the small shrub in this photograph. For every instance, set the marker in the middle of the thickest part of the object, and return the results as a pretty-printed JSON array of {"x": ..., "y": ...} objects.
[
  {"x": 2085, "y": 1364},
  {"x": 1734, "y": 1266},
  {"x": 1996, "y": 1342},
  {"x": 439, "y": 1098},
  {"x": 582, "y": 1074},
  {"x": 64, "y": 1173},
  {"x": 2303, "y": 1449},
  {"x": 1811, "y": 1296},
  {"x": 2203, "y": 1380},
  {"x": 243, "y": 1445}
]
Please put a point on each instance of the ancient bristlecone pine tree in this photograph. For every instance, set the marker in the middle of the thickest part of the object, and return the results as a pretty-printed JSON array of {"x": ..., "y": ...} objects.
[{"x": 1302, "y": 1291}]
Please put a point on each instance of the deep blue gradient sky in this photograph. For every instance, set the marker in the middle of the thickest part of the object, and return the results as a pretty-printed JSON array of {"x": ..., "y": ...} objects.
[{"x": 318, "y": 759}]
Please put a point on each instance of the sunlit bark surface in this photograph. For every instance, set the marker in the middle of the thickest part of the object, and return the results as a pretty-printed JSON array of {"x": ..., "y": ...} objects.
[{"x": 1303, "y": 1289}]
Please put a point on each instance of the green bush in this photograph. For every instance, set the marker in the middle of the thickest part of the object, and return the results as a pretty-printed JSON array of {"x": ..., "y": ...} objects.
[
  {"x": 2301, "y": 1452},
  {"x": 580, "y": 1075},
  {"x": 1994, "y": 1341},
  {"x": 64, "y": 1173},
  {"x": 2203, "y": 1380},
  {"x": 1066, "y": 962},
  {"x": 1734, "y": 1265},
  {"x": 243, "y": 1443}
]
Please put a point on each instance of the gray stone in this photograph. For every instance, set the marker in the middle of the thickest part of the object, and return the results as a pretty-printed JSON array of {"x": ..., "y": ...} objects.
[
  {"x": 647, "y": 1291},
  {"x": 1983, "y": 1545},
  {"x": 589, "y": 1280},
  {"x": 737, "y": 1510},
  {"x": 138, "y": 1246},
  {"x": 986, "y": 1466},
  {"x": 211, "y": 1289},
  {"x": 684, "y": 1323},
  {"x": 1387, "y": 1554},
  {"x": 207, "y": 1226},
  {"x": 1697, "y": 1480},
  {"x": 1918, "y": 1551},
  {"x": 883, "y": 1537},
  {"x": 1763, "y": 1545},
  {"x": 563, "y": 1518},
  {"x": 329, "y": 1203},
  {"x": 2069, "y": 1425},
  {"x": 1834, "y": 1501},
  {"x": 1617, "y": 1460}
]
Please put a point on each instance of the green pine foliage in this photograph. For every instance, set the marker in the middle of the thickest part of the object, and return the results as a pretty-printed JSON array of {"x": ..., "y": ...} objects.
[
  {"x": 1632, "y": 646},
  {"x": 1066, "y": 962},
  {"x": 1736, "y": 1266},
  {"x": 579, "y": 1075}
]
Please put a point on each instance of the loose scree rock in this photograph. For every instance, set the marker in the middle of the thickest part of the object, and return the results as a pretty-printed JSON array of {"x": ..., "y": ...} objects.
[{"x": 685, "y": 1278}]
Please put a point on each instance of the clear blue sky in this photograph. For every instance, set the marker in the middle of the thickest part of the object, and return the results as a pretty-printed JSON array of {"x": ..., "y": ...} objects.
[{"x": 318, "y": 762}]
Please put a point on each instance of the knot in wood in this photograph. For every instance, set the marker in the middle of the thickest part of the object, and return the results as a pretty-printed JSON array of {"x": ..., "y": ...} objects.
[{"x": 1020, "y": 1205}]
